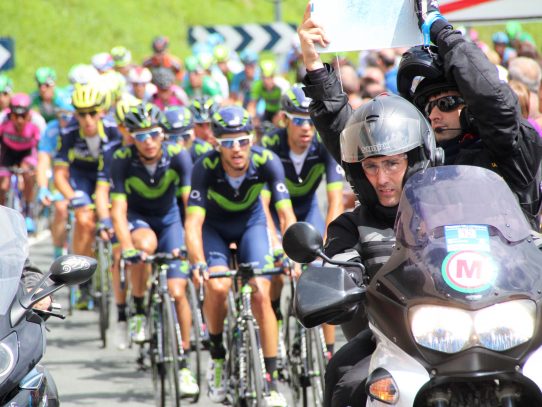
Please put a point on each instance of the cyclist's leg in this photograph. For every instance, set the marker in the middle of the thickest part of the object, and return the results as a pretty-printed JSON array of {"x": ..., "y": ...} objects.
[
  {"x": 29, "y": 163},
  {"x": 58, "y": 225},
  {"x": 85, "y": 220},
  {"x": 5, "y": 162}
]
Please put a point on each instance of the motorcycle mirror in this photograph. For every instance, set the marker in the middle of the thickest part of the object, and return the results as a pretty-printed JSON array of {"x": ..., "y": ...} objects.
[
  {"x": 72, "y": 269},
  {"x": 302, "y": 242},
  {"x": 324, "y": 294}
]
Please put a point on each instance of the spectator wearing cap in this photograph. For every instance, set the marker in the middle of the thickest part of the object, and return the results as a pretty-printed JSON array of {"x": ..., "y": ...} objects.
[{"x": 163, "y": 59}]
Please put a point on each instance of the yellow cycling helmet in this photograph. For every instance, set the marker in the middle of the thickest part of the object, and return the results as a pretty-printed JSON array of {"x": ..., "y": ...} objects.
[
  {"x": 124, "y": 105},
  {"x": 87, "y": 97}
]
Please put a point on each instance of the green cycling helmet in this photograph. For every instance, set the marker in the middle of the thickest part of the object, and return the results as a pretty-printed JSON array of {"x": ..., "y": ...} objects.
[
  {"x": 45, "y": 76},
  {"x": 268, "y": 68},
  {"x": 6, "y": 84}
]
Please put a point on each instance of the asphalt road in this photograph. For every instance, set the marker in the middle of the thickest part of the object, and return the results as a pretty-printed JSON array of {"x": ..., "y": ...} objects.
[{"x": 85, "y": 373}]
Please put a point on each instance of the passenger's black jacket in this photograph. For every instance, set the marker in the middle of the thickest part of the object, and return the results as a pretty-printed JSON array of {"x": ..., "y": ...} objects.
[{"x": 497, "y": 137}]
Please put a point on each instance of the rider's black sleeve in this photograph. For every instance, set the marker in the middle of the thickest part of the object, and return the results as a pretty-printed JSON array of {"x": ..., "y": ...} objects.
[
  {"x": 343, "y": 234},
  {"x": 495, "y": 115},
  {"x": 31, "y": 275},
  {"x": 329, "y": 109}
]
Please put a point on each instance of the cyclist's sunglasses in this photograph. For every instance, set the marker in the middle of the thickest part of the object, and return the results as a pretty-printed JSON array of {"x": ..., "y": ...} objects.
[
  {"x": 175, "y": 137},
  {"x": 242, "y": 141},
  {"x": 20, "y": 114},
  {"x": 299, "y": 120},
  {"x": 141, "y": 136},
  {"x": 445, "y": 104},
  {"x": 65, "y": 116},
  {"x": 91, "y": 113}
]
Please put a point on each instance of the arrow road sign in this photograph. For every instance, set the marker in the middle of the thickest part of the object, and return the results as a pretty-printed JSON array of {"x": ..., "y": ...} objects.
[
  {"x": 275, "y": 37},
  {"x": 7, "y": 53}
]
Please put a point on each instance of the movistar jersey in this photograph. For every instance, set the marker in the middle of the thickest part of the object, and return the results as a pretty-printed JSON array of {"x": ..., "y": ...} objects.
[
  {"x": 199, "y": 147},
  {"x": 212, "y": 193},
  {"x": 318, "y": 162},
  {"x": 104, "y": 172},
  {"x": 74, "y": 152},
  {"x": 150, "y": 192}
]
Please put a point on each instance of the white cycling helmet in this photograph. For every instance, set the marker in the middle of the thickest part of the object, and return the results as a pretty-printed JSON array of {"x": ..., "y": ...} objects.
[{"x": 139, "y": 74}]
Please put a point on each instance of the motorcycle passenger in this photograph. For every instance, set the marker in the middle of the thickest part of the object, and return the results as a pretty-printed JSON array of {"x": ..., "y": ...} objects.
[
  {"x": 224, "y": 207},
  {"x": 475, "y": 116},
  {"x": 145, "y": 180},
  {"x": 78, "y": 159}
]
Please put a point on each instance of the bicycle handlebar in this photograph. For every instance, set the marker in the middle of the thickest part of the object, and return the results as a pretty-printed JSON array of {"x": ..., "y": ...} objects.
[
  {"x": 247, "y": 271},
  {"x": 161, "y": 258}
]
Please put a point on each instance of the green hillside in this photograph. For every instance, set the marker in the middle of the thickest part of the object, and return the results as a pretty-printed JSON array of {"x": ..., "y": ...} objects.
[{"x": 60, "y": 33}]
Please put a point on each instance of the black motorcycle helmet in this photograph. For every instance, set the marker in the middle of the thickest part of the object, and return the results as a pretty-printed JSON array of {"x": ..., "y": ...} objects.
[
  {"x": 387, "y": 125},
  {"x": 423, "y": 66}
]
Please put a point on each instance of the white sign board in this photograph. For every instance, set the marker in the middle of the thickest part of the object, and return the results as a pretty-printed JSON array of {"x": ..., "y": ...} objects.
[
  {"x": 354, "y": 25},
  {"x": 477, "y": 11}
]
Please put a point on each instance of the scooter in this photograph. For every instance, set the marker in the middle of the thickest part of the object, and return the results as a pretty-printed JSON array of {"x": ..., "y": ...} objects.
[
  {"x": 23, "y": 381},
  {"x": 456, "y": 310}
]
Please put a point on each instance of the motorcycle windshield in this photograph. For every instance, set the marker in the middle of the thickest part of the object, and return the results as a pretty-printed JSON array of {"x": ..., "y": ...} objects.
[
  {"x": 463, "y": 236},
  {"x": 13, "y": 253},
  {"x": 457, "y": 195}
]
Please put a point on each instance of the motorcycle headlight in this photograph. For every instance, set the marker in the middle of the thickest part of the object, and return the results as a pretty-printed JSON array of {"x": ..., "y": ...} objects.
[
  {"x": 503, "y": 326},
  {"x": 450, "y": 330},
  {"x": 440, "y": 328},
  {"x": 8, "y": 355}
]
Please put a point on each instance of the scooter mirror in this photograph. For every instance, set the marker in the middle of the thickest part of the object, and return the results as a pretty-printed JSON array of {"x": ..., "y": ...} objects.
[
  {"x": 325, "y": 294},
  {"x": 72, "y": 269},
  {"x": 302, "y": 242}
]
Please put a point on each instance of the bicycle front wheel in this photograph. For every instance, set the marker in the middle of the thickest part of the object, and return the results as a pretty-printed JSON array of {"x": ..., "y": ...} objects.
[
  {"x": 317, "y": 363},
  {"x": 164, "y": 353},
  {"x": 196, "y": 335},
  {"x": 102, "y": 288},
  {"x": 255, "y": 372}
]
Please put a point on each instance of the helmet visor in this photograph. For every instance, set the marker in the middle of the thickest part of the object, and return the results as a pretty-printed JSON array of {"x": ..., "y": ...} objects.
[{"x": 379, "y": 136}]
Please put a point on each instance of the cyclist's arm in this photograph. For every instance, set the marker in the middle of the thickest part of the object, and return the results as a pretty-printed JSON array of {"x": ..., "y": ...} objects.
[
  {"x": 43, "y": 167},
  {"x": 334, "y": 188},
  {"x": 102, "y": 200},
  {"x": 62, "y": 180},
  {"x": 193, "y": 226},
  {"x": 119, "y": 215},
  {"x": 265, "y": 197}
]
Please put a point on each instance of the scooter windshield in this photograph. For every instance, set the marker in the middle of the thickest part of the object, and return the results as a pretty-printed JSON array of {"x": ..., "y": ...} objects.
[
  {"x": 457, "y": 195},
  {"x": 13, "y": 253}
]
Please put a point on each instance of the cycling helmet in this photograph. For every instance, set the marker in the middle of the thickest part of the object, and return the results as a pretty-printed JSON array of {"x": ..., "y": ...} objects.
[
  {"x": 103, "y": 61},
  {"x": 422, "y": 65},
  {"x": 386, "y": 125},
  {"x": 215, "y": 39},
  {"x": 6, "y": 84},
  {"x": 268, "y": 68},
  {"x": 513, "y": 29},
  {"x": 163, "y": 78},
  {"x": 20, "y": 103},
  {"x": 500, "y": 38},
  {"x": 221, "y": 53},
  {"x": 229, "y": 120},
  {"x": 126, "y": 103},
  {"x": 160, "y": 43},
  {"x": 140, "y": 74},
  {"x": 177, "y": 120},
  {"x": 45, "y": 76},
  {"x": 121, "y": 56},
  {"x": 87, "y": 97},
  {"x": 203, "y": 109},
  {"x": 205, "y": 60},
  {"x": 82, "y": 74},
  {"x": 295, "y": 101},
  {"x": 143, "y": 116},
  {"x": 192, "y": 64},
  {"x": 248, "y": 56}
]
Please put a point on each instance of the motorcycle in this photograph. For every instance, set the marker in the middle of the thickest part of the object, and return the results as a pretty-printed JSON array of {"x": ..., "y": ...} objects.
[
  {"x": 23, "y": 381},
  {"x": 456, "y": 310}
]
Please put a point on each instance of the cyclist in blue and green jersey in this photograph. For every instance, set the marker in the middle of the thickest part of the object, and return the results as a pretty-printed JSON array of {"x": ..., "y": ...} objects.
[
  {"x": 198, "y": 82},
  {"x": 78, "y": 158},
  {"x": 242, "y": 82},
  {"x": 47, "y": 97},
  {"x": 305, "y": 161},
  {"x": 145, "y": 180},
  {"x": 224, "y": 208},
  {"x": 105, "y": 224},
  {"x": 203, "y": 109},
  {"x": 46, "y": 152}
]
